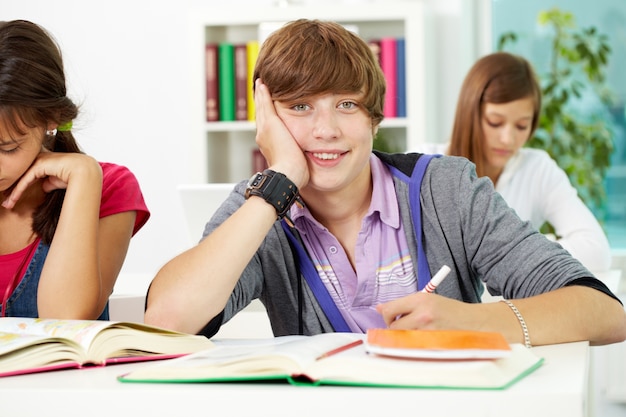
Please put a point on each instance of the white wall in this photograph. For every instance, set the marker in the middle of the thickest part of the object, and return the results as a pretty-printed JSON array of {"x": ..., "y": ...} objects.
[{"x": 125, "y": 62}]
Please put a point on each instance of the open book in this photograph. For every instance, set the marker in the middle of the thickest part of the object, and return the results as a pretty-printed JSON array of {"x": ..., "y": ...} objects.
[
  {"x": 335, "y": 359},
  {"x": 30, "y": 345}
]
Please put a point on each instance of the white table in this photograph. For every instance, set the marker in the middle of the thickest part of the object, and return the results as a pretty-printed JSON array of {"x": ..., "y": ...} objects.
[{"x": 558, "y": 388}]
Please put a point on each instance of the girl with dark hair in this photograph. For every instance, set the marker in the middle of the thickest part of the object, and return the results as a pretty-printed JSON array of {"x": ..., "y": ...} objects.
[{"x": 66, "y": 220}]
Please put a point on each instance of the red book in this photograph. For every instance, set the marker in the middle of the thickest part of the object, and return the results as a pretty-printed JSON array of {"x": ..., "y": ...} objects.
[
  {"x": 212, "y": 87},
  {"x": 374, "y": 45},
  {"x": 388, "y": 63},
  {"x": 258, "y": 161},
  {"x": 241, "y": 82}
]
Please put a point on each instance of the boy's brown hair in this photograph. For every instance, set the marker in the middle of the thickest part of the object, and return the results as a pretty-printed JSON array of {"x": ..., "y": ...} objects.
[{"x": 312, "y": 57}]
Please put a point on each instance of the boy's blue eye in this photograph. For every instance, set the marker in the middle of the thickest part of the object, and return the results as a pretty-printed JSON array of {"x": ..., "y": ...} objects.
[{"x": 348, "y": 105}]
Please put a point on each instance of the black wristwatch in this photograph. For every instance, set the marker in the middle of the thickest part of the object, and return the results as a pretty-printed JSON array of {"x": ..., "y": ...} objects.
[{"x": 275, "y": 188}]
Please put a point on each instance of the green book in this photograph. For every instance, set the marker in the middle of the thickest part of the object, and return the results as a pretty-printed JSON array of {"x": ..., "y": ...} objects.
[
  {"x": 334, "y": 359},
  {"x": 226, "y": 79}
]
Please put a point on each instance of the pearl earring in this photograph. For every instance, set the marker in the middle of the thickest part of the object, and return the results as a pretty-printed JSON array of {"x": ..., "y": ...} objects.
[{"x": 52, "y": 132}]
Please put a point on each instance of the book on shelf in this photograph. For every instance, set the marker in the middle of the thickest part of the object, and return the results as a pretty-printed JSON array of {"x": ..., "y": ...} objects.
[
  {"x": 241, "y": 82},
  {"x": 259, "y": 163},
  {"x": 400, "y": 78},
  {"x": 29, "y": 345},
  {"x": 341, "y": 359},
  {"x": 252, "y": 55},
  {"x": 226, "y": 81},
  {"x": 230, "y": 72},
  {"x": 374, "y": 45},
  {"x": 388, "y": 63},
  {"x": 212, "y": 87}
]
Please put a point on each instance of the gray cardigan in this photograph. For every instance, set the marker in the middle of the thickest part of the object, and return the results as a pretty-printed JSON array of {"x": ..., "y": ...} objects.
[{"x": 466, "y": 225}]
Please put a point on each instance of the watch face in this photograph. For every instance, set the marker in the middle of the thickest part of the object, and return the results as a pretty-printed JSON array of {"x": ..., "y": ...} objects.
[
  {"x": 273, "y": 187},
  {"x": 256, "y": 180}
]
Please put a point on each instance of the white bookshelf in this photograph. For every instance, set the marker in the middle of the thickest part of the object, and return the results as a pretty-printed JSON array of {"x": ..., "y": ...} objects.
[{"x": 221, "y": 151}]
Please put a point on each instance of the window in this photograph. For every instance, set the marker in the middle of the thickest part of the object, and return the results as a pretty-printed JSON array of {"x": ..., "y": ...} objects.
[{"x": 609, "y": 17}]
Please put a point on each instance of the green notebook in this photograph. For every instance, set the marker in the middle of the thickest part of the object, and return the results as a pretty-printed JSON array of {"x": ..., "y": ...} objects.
[{"x": 300, "y": 360}]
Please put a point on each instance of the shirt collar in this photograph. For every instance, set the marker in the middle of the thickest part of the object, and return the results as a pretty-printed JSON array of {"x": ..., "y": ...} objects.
[{"x": 384, "y": 200}]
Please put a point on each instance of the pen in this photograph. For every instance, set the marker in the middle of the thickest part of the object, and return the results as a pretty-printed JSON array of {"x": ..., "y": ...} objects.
[
  {"x": 436, "y": 279},
  {"x": 339, "y": 349}
]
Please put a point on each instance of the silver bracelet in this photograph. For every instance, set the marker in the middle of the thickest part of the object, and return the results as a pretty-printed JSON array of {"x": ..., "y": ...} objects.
[{"x": 522, "y": 322}]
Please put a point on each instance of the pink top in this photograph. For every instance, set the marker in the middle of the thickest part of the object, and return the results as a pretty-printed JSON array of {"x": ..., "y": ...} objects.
[{"x": 120, "y": 193}]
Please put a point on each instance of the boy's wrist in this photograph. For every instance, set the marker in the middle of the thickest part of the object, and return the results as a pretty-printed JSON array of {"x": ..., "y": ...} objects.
[{"x": 275, "y": 188}]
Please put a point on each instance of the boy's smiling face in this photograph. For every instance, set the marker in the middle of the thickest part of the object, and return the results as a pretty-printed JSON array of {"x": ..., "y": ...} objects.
[{"x": 336, "y": 135}]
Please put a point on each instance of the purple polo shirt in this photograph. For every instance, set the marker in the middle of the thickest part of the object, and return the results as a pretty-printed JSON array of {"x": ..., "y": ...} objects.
[{"x": 384, "y": 270}]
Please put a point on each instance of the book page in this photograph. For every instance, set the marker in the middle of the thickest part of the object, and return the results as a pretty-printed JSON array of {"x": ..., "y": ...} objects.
[
  {"x": 278, "y": 357},
  {"x": 22, "y": 352},
  {"x": 357, "y": 367},
  {"x": 138, "y": 341},
  {"x": 80, "y": 331},
  {"x": 10, "y": 342},
  {"x": 30, "y": 345},
  {"x": 295, "y": 358}
]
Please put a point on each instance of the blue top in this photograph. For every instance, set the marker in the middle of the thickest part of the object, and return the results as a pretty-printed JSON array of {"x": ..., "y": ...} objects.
[{"x": 23, "y": 300}]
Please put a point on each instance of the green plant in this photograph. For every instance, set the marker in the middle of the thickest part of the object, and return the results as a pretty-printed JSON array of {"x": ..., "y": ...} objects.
[
  {"x": 580, "y": 141},
  {"x": 383, "y": 144}
]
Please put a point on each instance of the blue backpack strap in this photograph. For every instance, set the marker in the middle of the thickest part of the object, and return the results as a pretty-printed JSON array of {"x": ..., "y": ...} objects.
[
  {"x": 315, "y": 283},
  {"x": 415, "y": 186},
  {"x": 312, "y": 277}
]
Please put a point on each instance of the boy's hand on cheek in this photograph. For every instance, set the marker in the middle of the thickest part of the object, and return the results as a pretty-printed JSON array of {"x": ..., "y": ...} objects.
[{"x": 276, "y": 143}]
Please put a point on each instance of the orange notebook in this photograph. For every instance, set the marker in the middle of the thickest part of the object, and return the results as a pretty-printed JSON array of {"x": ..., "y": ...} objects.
[{"x": 437, "y": 344}]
